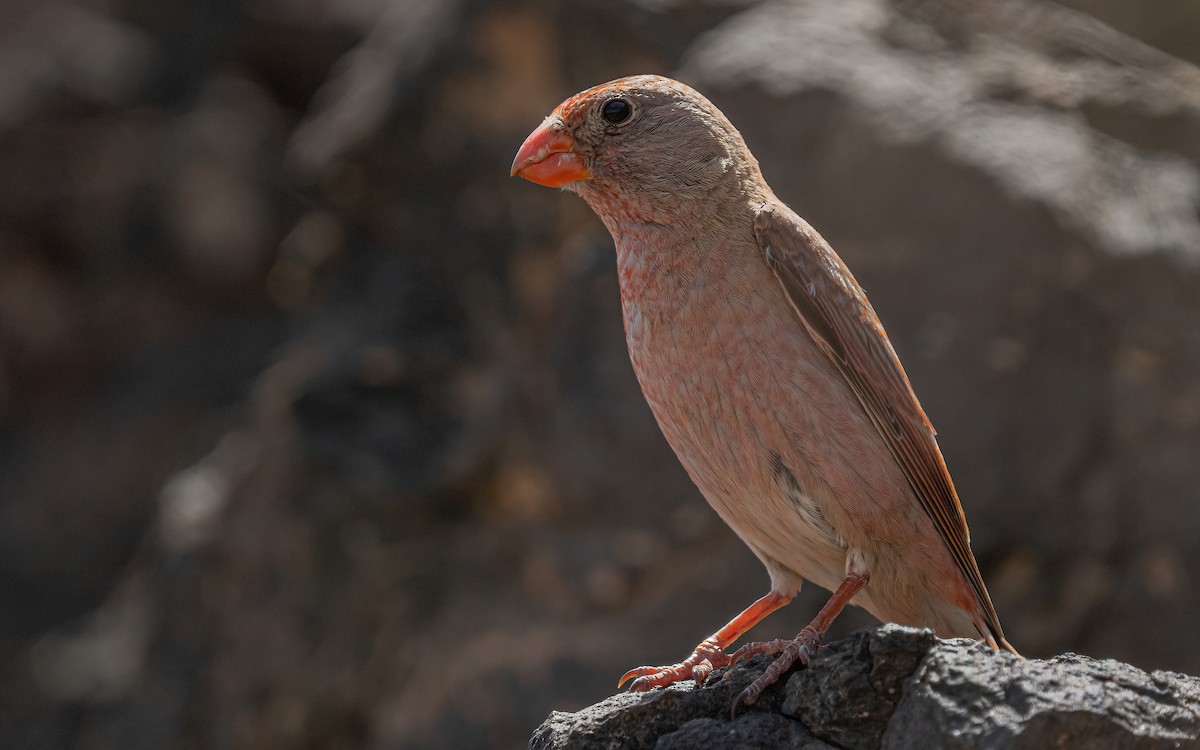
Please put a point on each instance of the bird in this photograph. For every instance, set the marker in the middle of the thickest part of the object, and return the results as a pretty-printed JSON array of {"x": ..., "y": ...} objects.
[{"x": 768, "y": 372}]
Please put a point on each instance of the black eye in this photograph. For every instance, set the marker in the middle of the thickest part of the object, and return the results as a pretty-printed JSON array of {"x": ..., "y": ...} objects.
[{"x": 616, "y": 111}]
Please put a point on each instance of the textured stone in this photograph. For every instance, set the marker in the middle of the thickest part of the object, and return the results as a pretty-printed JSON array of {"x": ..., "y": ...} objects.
[
  {"x": 963, "y": 696},
  {"x": 895, "y": 688},
  {"x": 850, "y": 692}
]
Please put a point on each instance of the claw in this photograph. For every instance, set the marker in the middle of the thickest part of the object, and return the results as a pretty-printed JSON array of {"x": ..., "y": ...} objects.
[
  {"x": 698, "y": 666},
  {"x": 636, "y": 672},
  {"x": 802, "y": 650}
]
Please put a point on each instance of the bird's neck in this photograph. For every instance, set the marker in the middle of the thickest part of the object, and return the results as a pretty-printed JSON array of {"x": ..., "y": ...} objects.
[
  {"x": 666, "y": 267},
  {"x": 667, "y": 242}
]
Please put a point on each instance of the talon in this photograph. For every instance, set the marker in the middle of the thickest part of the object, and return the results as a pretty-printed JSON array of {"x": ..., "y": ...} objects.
[
  {"x": 698, "y": 666},
  {"x": 635, "y": 672},
  {"x": 747, "y": 697},
  {"x": 736, "y": 702}
]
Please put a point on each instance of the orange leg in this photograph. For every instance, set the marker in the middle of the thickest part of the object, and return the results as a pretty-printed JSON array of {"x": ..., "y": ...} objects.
[
  {"x": 710, "y": 653},
  {"x": 803, "y": 647}
]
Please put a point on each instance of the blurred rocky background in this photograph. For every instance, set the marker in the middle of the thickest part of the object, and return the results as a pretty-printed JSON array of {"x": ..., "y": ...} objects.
[{"x": 317, "y": 430}]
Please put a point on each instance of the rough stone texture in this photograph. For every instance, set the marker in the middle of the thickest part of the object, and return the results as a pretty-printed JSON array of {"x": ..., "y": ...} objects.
[
  {"x": 967, "y": 698},
  {"x": 318, "y": 430},
  {"x": 849, "y": 695},
  {"x": 897, "y": 688}
]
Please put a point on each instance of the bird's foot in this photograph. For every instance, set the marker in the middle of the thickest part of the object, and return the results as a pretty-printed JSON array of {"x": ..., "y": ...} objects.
[
  {"x": 707, "y": 657},
  {"x": 801, "y": 649}
]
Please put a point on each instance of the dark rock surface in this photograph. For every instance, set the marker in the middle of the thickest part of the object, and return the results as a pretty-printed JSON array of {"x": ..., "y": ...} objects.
[
  {"x": 318, "y": 430},
  {"x": 897, "y": 688}
]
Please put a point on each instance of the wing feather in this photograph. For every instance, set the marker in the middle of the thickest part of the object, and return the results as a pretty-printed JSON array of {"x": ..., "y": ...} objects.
[{"x": 836, "y": 313}]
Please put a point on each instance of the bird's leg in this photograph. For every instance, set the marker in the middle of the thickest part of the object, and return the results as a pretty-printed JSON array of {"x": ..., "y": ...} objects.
[
  {"x": 710, "y": 653},
  {"x": 803, "y": 647}
]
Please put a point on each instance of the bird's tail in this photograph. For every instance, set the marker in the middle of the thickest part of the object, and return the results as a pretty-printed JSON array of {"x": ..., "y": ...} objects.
[{"x": 993, "y": 636}]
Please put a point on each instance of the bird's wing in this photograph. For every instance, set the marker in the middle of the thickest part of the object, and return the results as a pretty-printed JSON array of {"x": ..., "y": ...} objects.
[{"x": 837, "y": 315}]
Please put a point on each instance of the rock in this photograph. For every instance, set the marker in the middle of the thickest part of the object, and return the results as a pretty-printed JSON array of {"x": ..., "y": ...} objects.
[{"x": 895, "y": 687}]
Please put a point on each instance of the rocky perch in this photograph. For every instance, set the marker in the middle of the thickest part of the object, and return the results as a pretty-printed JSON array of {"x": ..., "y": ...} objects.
[{"x": 895, "y": 687}]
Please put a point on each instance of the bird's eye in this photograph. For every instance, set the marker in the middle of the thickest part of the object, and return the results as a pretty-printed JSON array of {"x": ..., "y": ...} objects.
[{"x": 616, "y": 111}]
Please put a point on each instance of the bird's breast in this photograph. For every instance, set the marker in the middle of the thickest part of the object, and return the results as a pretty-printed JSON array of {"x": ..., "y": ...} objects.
[
  {"x": 707, "y": 323},
  {"x": 687, "y": 327},
  {"x": 722, "y": 362}
]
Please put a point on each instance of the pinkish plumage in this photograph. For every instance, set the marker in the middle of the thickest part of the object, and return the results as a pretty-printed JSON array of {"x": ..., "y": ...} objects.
[{"x": 766, "y": 368}]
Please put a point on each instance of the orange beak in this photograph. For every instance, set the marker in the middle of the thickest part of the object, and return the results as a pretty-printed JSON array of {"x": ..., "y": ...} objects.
[{"x": 548, "y": 157}]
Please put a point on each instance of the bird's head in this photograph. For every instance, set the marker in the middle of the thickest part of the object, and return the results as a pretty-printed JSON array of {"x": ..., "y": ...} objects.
[{"x": 640, "y": 145}]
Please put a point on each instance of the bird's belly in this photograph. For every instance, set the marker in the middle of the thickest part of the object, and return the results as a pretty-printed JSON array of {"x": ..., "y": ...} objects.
[{"x": 713, "y": 383}]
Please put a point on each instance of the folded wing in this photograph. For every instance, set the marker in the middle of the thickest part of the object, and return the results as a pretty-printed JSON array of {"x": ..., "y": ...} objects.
[{"x": 836, "y": 313}]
